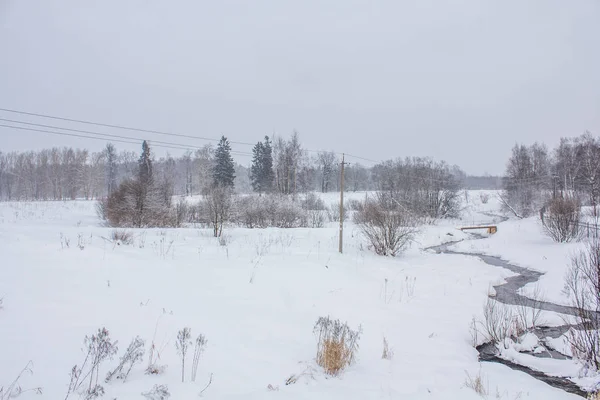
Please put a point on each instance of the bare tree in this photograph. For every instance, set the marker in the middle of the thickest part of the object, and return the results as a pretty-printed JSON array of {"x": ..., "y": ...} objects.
[
  {"x": 582, "y": 284},
  {"x": 327, "y": 163}
]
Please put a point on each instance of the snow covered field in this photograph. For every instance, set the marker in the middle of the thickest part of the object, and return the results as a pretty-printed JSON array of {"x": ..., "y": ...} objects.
[{"x": 256, "y": 298}]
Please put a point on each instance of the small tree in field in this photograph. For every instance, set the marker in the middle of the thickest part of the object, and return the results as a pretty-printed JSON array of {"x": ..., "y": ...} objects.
[
  {"x": 218, "y": 207},
  {"x": 387, "y": 225},
  {"x": 561, "y": 219}
]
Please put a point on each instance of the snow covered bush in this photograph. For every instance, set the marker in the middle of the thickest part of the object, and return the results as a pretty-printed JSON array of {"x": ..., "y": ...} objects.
[
  {"x": 271, "y": 211},
  {"x": 484, "y": 197},
  {"x": 313, "y": 202},
  {"x": 337, "y": 345},
  {"x": 334, "y": 212},
  {"x": 135, "y": 204},
  {"x": 316, "y": 218},
  {"x": 121, "y": 236},
  {"x": 158, "y": 392},
  {"x": 386, "y": 225},
  {"x": 582, "y": 285},
  {"x": 561, "y": 219}
]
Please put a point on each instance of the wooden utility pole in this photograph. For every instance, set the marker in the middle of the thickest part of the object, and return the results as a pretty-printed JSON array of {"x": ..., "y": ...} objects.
[{"x": 341, "y": 247}]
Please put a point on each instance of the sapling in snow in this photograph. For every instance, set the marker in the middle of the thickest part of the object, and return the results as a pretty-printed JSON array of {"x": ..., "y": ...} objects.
[{"x": 183, "y": 343}]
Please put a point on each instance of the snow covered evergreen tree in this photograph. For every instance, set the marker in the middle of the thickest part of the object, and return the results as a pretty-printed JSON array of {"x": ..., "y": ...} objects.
[
  {"x": 261, "y": 171},
  {"x": 145, "y": 165},
  {"x": 268, "y": 175},
  {"x": 223, "y": 169}
]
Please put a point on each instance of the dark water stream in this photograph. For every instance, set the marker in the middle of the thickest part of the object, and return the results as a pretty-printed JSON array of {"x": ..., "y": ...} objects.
[{"x": 507, "y": 293}]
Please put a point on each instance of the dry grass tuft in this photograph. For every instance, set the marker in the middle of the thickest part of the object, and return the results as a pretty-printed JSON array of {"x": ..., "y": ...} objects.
[
  {"x": 337, "y": 345},
  {"x": 121, "y": 236},
  {"x": 476, "y": 383}
]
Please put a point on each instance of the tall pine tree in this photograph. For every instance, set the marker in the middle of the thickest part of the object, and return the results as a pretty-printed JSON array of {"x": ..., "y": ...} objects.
[
  {"x": 145, "y": 166},
  {"x": 261, "y": 171},
  {"x": 268, "y": 175},
  {"x": 223, "y": 170},
  {"x": 256, "y": 170}
]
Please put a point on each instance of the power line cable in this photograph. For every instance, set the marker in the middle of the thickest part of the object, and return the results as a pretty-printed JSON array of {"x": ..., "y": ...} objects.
[
  {"x": 132, "y": 141},
  {"x": 183, "y": 146},
  {"x": 81, "y": 121},
  {"x": 114, "y": 126}
]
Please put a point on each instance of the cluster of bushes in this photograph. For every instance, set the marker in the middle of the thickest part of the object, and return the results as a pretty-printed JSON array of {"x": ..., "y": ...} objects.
[{"x": 137, "y": 205}]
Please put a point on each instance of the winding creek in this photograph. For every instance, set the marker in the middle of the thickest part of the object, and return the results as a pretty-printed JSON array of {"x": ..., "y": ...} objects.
[{"x": 507, "y": 293}]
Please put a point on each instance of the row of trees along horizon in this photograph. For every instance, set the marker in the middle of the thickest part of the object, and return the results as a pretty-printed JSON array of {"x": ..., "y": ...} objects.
[{"x": 280, "y": 167}]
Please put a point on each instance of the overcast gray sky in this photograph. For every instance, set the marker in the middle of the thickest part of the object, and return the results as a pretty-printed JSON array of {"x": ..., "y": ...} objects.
[{"x": 455, "y": 80}]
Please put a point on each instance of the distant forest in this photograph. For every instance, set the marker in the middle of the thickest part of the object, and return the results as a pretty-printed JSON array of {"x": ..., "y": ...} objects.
[{"x": 63, "y": 173}]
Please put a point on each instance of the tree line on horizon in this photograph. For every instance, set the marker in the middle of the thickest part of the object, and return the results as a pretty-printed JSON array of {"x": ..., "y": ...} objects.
[{"x": 282, "y": 166}]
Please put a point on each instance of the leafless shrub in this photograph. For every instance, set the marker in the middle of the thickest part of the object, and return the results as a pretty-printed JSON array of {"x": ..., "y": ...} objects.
[
  {"x": 183, "y": 212},
  {"x": 497, "y": 321},
  {"x": 199, "y": 347},
  {"x": 529, "y": 309},
  {"x": 313, "y": 202},
  {"x": 334, "y": 212},
  {"x": 561, "y": 219},
  {"x": 133, "y": 355},
  {"x": 158, "y": 392},
  {"x": 387, "y": 353},
  {"x": 316, "y": 218},
  {"x": 354, "y": 205},
  {"x": 135, "y": 204},
  {"x": 476, "y": 383},
  {"x": 337, "y": 345},
  {"x": 484, "y": 197},
  {"x": 582, "y": 285},
  {"x": 183, "y": 342},
  {"x": 14, "y": 389},
  {"x": 594, "y": 396},
  {"x": 99, "y": 348},
  {"x": 271, "y": 211},
  {"x": 121, "y": 236},
  {"x": 387, "y": 226},
  {"x": 218, "y": 207}
]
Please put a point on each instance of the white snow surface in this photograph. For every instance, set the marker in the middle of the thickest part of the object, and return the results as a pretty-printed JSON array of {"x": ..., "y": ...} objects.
[
  {"x": 523, "y": 243},
  {"x": 256, "y": 300}
]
